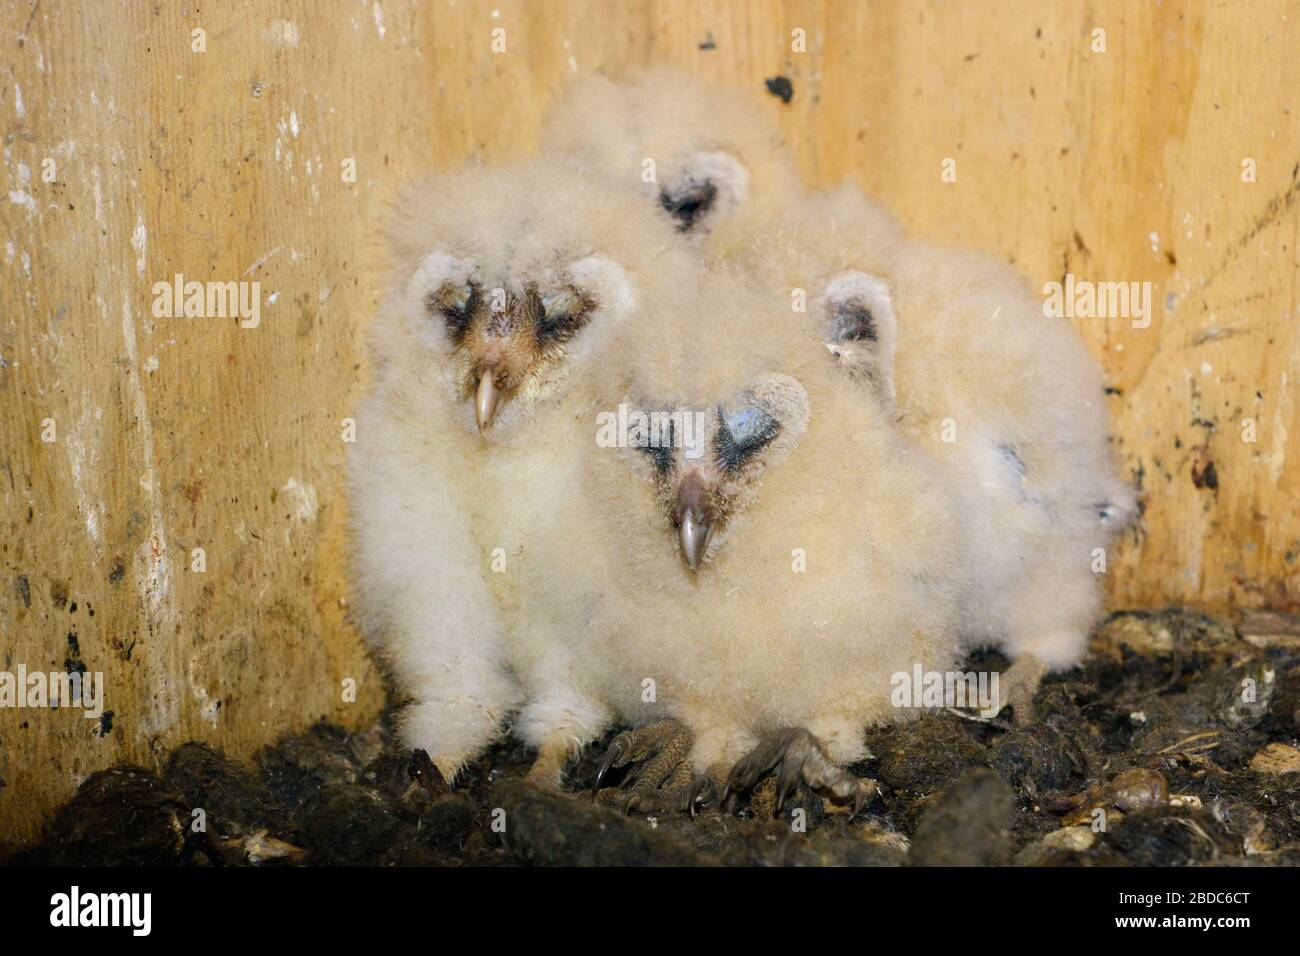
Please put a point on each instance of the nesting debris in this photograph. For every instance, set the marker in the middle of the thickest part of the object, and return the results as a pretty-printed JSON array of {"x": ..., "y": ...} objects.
[
  {"x": 1169, "y": 836},
  {"x": 915, "y": 761},
  {"x": 127, "y": 816},
  {"x": 1285, "y": 709},
  {"x": 968, "y": 826},
  {"x": 547, "y": 828},
  {"x": 346, "y": 824},
  {"x": 1276, "y": 759},
  {"x": 1265, "y": 629},
  {"x": 1058, "y": 848},
  {"x": 1134, "y": 789},
  {"x": 1048, "y": 756},
  {"x": 1163, "y": 633},
  {"x": 224, "y": 790},
  {"x": 1175, "y": 743},
  {"x": 260, "y": 847},
  {"x": 1248, "y": 826}
]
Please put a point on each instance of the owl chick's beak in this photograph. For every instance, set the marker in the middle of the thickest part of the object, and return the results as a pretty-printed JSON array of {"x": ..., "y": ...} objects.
[
  {"x": 694, "y": 538},
  {"x": 486, "y": 399},
  {"x": 694, "y": 527}
]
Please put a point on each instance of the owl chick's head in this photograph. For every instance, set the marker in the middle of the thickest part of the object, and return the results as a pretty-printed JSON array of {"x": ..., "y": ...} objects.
[
  {"x": 705, "y": 462},
  {"x": 512, "y": 280},
  {"x": 696, "y": 152},
  {"x": 511, "y": 337},
  {"x": 711, "y": 413}
]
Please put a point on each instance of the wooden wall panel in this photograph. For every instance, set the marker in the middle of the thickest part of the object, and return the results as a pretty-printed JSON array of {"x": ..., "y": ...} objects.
[
  {"x": 173, "y": 433},
  {"x": 180, "y": 433}
]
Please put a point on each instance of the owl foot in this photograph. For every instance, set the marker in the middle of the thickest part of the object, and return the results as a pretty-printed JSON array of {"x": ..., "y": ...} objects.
[
  {"x": 1016, "y": 688},
  {"x": 424, "y": 773},
  {"x": 547, "y": 770},
  {"x": 665, "y": 782},
  {"x": 1018, "y": 685},
  {"x": 796, "y": 755}
]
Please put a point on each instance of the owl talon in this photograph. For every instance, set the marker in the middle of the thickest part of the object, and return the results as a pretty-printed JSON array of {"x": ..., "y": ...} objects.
[
  {"x": 783, "y": 792},
  {"x": 615, "y": 756},
  {"x": 796, "y": 755},
  {"x": 701, "y": 789},
  {"x": 1017, "y": 687},
  {"x": 665, "y": 780}
]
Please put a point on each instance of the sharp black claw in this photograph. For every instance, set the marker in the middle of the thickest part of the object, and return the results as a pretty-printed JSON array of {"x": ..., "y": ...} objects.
[
  {"x": 859, "y": 800},
  {"x": 695, "y": 795},
  {"x": 786, "y": 753},
  {"x": 615, "y": 751},
  {"x": 783, "y": 793},
  {"x": 787, "y": 780},
  {"x": 728, "y": 786},
  {"x": 738, "y": 781}
]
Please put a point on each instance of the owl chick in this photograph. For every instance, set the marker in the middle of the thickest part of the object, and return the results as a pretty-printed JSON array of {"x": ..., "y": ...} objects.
[
  {"x": 508, "y": 286},
  {"x": 697, "y": 153},
  {"x": 753, "y": 552},
  {"x": 1005, "y": 397}
]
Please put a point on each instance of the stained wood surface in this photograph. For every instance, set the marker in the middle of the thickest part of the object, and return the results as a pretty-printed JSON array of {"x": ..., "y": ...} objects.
[{"x": 172, "y": 434}]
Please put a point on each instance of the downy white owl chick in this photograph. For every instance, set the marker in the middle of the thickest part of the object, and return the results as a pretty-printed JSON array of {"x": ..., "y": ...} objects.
[
  {"x": 1006, "y": 398},
  {"x": 1027, "y": 442},
  {"x": 698, "y": 153},
  {"x": 508, "y": 284},
  {"x": 753, "y": 560}
]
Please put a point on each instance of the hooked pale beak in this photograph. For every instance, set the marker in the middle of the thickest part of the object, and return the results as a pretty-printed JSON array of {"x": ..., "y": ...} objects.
[
  {"x": 486, "y": 399},
  {"x": 694, "y": 538},
  {"x": 694, "y": 529}
]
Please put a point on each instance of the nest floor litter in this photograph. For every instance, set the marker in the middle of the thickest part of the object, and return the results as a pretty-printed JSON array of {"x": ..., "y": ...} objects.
[{"x": 1174, "y": 744}]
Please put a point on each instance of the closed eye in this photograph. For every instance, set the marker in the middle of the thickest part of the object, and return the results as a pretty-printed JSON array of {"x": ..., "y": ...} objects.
[
  {"x": 659, "y": 447},
  {"x": 456, "y": 305},
  {"x": 563, "y": 313},
  {"x": 742, "y": 434}
]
